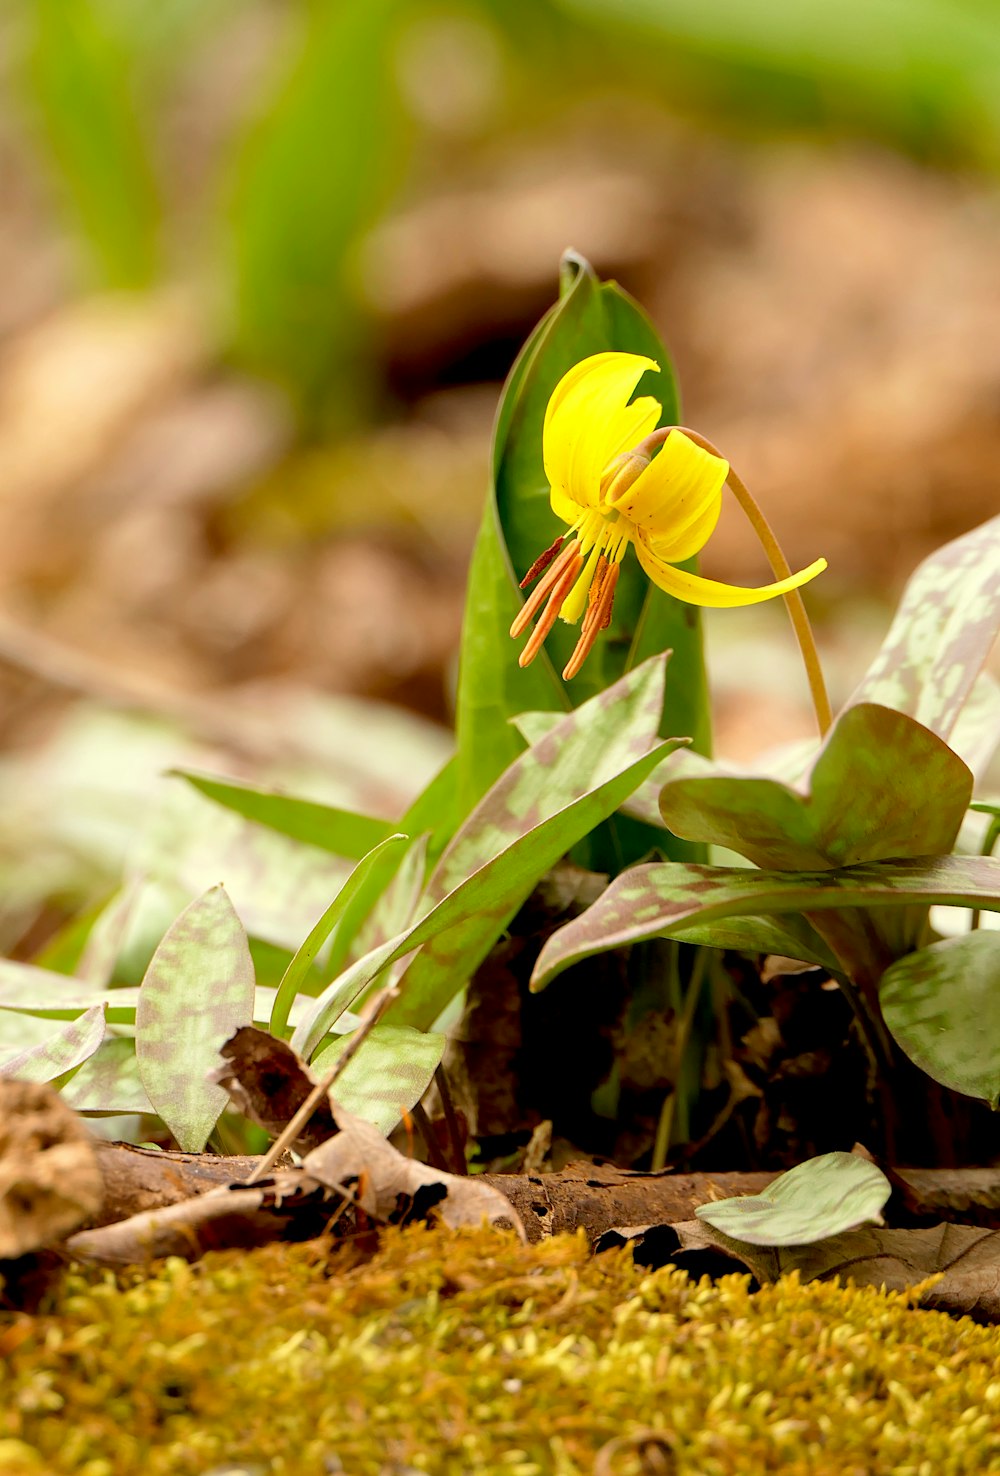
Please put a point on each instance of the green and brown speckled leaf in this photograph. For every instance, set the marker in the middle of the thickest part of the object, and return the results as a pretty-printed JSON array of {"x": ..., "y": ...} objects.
[
  {"x": 198, "y": 989},
  {"x": 882, "y": 785},
  {"x": 660, "y": 900},
  {"x": 942, "y": 632},
  {"x": 540, "y": 806},
  {"x": 64, "y": 1050},
  {"x": 821, "y": 1197},
  {"x": 942, "y": 1004},
  {"x": 109, "y": 1084},
  {"x": 390, "y": 1073}
]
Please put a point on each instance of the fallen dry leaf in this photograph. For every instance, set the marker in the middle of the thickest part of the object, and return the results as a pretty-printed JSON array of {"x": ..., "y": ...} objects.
[
  {"x": 360, "y": 1163},
  {"x": 268, "y": 1083},
  {"x": 964, "y": 1258}
]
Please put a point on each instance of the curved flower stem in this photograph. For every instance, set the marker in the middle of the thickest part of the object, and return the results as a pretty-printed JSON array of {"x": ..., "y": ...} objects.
[{"x": 782, "y": 570}]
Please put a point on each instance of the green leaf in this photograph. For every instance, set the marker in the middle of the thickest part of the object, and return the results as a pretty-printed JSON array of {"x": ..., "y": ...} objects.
[
  {"x": 881, "y": 786},
  {"x": 542, "y": 805},
  {"x": 351, "y": 904},
  {"x": 82, "y": 75},
  {"x": 662, "y": 900},
  {"x": 198, "y": 989},
  {"x": 390, "y": 1073},
  {"x": 942, "y": 1005},
  {"x": 342, "y": 832},
  {"x": 109, "y": 1084},
  {"x": 518, "y": 524},
  {"x": 314, "y": 174},
  {"x": 435, "y": 810},
  {"x": 67, "y": 1048},
  {"x": 822, "y": 1197},
  {"x": 34, "y": 991},
  {"x": 944, "y": 628},
  {"x": 96, "y": 964}
]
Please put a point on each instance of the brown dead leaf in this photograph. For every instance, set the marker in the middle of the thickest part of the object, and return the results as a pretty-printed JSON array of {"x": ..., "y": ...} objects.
[
  {"x": 268, "y": 1083},
  {"x": 49, "y": 1176},
  {"x": 965, "y": 1258},
  {"x": 362, "y": 1165}
]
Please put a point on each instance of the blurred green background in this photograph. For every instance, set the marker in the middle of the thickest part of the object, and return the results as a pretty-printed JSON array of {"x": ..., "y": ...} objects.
[{"x": 264, "y": 264}]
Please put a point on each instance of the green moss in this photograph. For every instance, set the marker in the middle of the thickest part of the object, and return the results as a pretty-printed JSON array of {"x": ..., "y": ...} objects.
[{"x": 451, "y": 1353}]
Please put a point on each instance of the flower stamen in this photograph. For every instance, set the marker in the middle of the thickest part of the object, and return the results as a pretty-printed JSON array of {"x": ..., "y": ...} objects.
[
  {"x": 542, "y": 562},
  {"x": 598, "y": 616},
  {"x": 540, "y": 594},
  {"x": 561, "y": 588}
]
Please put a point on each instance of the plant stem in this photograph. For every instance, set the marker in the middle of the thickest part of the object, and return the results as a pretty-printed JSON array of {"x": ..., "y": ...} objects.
[
  {"x": 661, "y": 1144},
  {"x": 781, "y": 567}
]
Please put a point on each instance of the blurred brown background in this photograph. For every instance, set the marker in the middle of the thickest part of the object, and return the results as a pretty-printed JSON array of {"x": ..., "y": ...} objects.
[{"x": 264, "y": 265}]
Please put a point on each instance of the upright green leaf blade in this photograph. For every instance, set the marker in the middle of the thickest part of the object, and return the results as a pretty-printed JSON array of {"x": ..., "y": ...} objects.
[
  {"x": 344, "y": 913},
  {"x": 198, "y": 989},
  {"x": 589, "y": 318},
  {"x": 942, "y": 1004}
]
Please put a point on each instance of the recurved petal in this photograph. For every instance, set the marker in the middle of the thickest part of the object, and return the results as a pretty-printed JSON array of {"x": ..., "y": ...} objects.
[
  {"x": 588, "y": 422},
  {"x": 674, "y": 493},
  {"x": 695, "y": 590},
  {"x": 689, "y": 540}
]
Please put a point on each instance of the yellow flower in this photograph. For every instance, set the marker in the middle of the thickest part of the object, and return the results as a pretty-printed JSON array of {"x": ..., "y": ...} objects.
[{"x": 613, "y": 491}]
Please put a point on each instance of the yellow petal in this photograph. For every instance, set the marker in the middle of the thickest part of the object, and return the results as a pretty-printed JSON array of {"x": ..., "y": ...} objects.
[
  {"x": 697, "y": 591},
  {"x": 690, "y": 540},
  {"x": 588, "y": 422},
  {"x": 675, "y": 493}
]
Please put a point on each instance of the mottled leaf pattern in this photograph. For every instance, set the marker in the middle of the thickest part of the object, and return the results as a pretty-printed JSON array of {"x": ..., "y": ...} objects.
[
  {"x": 390, "y": 1073},
  {"x": 64, "y": 1050},
  {"x": 541, "y": 806},
  {"x": 823, "y": 1196},
  {"x": 942, "y": 1004},
  {"x": 942, "y": 633},
  {"x": 659, "y": 900},
  {"x": 109, "y": 1084},
  {"x": 198, "y": 989},
  {"x": 882, "y": 785}
]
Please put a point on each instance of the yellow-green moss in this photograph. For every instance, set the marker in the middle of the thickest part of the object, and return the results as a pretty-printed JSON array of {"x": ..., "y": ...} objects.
[{"x": 459, "y": 1353}]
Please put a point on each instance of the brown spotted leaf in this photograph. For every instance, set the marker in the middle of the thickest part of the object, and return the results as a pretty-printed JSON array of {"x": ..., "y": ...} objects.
[
  {"x": 198, "y": 989},
  {"x": 665, "y": 900},
  {"x": 540, "y": 807},
  {"x": 942, "y": 633}
]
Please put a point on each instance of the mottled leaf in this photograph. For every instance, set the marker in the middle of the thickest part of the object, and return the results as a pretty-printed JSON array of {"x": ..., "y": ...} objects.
[
  {"x": 96, "y": 964},
  {"x": 821, "y": 1197},
  {"x": 35, "y": 991},
  {"x": 881, "y": 785},
  {"x": 942, "y": 1004},
  {"x": 198, "y": 989},
  {"x": 64, "y": 1050},
  {"x": 538, "y": 809},
  {"x": 942, "y": 632},
  {"x": 345, "y": 912},
  {"x": 342, "y": 832},
  {"x": 109, "y": 1084},
  {"x": 391, "y": 1071},
  {"x": 661, "y": 899},
  {"x": 279, "y": 886}
]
